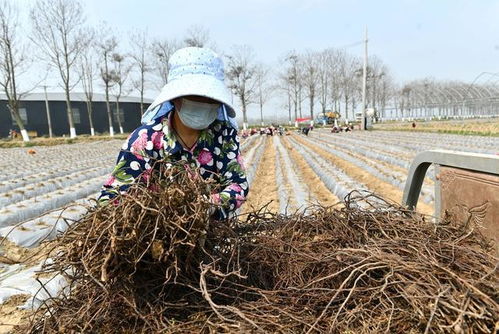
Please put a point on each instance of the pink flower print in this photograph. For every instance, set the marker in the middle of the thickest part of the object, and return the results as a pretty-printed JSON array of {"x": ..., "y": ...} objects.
[
  {"x": 239, "y": 201},
  {"x": 240, "y": 161},
  {"x": 236, "y": 187},
  {"x": 205, "y": 157},
  {"x": 110, "y": 181},
  {"x": 139, "y": 145},
  {"x": 157, "y": 139},
  {"x": 215, "y": 199}
]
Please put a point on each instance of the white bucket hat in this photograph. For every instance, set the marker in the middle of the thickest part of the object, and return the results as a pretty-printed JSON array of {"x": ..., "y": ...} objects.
[{"x": 195, "y": 71}]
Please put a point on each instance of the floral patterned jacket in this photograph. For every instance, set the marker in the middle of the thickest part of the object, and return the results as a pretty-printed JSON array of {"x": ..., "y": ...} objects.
[{"x": 216, "y": 153}]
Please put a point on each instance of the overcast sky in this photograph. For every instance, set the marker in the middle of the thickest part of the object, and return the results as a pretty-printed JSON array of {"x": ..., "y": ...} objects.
[{"x": 444, "y": 39}]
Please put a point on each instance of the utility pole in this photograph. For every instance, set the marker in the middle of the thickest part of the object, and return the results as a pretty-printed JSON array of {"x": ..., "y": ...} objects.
[
  {"x": 48, "y": 112},
  {"x": 364, "y": 83}
]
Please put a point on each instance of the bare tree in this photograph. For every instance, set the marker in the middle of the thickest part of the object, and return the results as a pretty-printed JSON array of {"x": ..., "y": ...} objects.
[
  {"x": 161, "y": 51},
  {"x": 324, "y": 80},
  {"x": 293, "y": 79},
  {"x": 120, "y": 76},
  {"x": 349, "y": 82},
  {"x": 336, "y": 61},
  {"x": 241, "y": 72},
  {"x": 197, "y": 35},
  {"x": 106, "y": 49},
  {"x": 375, "y": 72},
  {"x": 264, "y": 90},
  {"x": 87, "y": 69},
  {"x": 284, "y": 86},
  {"x": 141, "y": 62},
  {"x": 311, "y": 78},
  {"x": 57, "y": 31},
  {"x": 12, "y": 61}
]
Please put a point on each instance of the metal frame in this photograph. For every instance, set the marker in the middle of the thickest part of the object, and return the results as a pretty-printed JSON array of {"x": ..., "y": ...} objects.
[{"x": 484, "y": 163}]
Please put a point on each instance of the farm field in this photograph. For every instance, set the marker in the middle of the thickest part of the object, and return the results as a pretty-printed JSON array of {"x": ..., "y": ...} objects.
[
  {"x": 482, "y": 127},
  {"x": 287, "y": 173}
]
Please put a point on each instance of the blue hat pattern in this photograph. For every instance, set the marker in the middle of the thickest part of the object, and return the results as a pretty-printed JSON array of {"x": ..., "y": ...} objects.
[{"x": 193, "y": 60}]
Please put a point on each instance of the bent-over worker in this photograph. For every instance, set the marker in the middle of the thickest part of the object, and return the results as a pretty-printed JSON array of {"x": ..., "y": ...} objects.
[{"x": 190, "y": 120}]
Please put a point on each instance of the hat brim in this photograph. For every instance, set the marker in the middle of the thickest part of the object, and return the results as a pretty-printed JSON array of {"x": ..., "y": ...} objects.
[{"x": 196, "y": 84}]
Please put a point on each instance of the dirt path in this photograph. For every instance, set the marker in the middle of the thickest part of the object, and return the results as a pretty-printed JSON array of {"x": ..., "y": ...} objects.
[
  {"x": 263, "y": 189},
  {"x": 313, "y": 182},
  {"x": 374, "y": 184}
]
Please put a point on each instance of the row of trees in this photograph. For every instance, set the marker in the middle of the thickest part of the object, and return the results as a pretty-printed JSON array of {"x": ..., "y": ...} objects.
[
  {"x": 79, "y": 55},
  {"x": 331, "y": 80},
  {"x": 82, "y": 57}
]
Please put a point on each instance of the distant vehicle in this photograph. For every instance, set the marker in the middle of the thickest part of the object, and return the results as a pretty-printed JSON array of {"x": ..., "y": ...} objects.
[{"x": 328, "y": 117}]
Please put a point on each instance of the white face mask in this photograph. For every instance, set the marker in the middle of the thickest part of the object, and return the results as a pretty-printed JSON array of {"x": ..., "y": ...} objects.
[{"x": 197, "y": 115}]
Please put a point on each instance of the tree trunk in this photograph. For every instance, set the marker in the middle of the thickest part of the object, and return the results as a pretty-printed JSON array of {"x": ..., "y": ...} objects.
[
  {"x": 261, "y": 112},
  {"x": 142, "y": 97},
  {"x": 15, "y": 114},
  {"x": 353, "y": 108},
  {"x": 72, "y": 130},
  {"x": 47, "y": 109},
  {"x": 312, "y": 106},
  {"x": 118, "y": 117},
  {"x": 108, "y": 106},
  {"x": 90, "y": 111},
  {"x": 245, "y": 118},
  {"x": 109, "y": 115},
  {"x": 296, "y": 103},
  {"x": 13, "y": 102},
  {"x": 299, "y": 107},
  {"x": 346, "y": 107}
]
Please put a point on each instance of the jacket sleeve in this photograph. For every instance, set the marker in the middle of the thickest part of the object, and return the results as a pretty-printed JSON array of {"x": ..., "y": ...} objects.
[
  {"x": 230, "y": 167},
  {"x": 133, "y": 161}
]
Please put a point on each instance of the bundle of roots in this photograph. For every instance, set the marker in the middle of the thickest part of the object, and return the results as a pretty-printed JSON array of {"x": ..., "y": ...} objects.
[{"x": 138, "y": 266}]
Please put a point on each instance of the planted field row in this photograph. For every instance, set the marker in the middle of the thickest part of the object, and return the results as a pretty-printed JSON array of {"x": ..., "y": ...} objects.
[
  {"x": 286, "y": 173},
  {"x": 413, "y": 142},
  {"x": 30, "y": 164},
  {"x": 293, "y": 190},
  {"x": 379, "y": 168}
]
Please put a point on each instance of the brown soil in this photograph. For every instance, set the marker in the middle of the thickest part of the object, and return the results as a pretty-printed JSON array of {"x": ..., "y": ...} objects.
[
  {"x": 10, "y": 253},
  {"x": 319, "y": 190},
  {"x": 10, "y": 315},
  {"x": 374, "y": 184},
  {"x": 264, "y": 188}
]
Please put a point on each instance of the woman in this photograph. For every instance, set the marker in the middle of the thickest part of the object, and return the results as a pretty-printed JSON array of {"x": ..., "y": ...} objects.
[{"x": 190, "y": 120}]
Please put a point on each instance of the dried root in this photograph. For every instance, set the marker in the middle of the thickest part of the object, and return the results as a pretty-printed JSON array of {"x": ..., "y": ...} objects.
[{"x": 138, "y": 267}]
